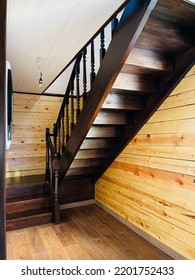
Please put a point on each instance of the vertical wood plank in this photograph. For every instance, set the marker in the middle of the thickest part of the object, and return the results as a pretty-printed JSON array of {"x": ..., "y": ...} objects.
[{"x": 3, "y": 9}]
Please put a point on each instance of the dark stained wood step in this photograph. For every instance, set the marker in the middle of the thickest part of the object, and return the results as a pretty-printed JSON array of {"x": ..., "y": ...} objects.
[
  {"x": 104, "y": 143},
  {"x": 132, "y": 92},
  {"x": 144, "y": 61},
  {"x": 93, "y": 153},
  {"x": 105, "y": 131},
  {"x": 138, "y": 83},
  {"x": 26, "y": 213},
  {"x": 29, "y": 221},
  {"x": 26, "y": 204},
  {"x": 113, "y": 118},
  {"x": 24, "y": 186},
  {"x": 87, "y": 162},
  {"x": 123, "y": 102},
  {"x": 86, "y": 172}
]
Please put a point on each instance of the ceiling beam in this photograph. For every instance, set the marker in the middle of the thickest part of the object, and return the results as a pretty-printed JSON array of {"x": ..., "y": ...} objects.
[{"x": 130, "y": 26}]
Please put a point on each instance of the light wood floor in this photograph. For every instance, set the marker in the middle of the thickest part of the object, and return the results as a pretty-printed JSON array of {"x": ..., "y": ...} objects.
[{"x": 85, "y": 233}]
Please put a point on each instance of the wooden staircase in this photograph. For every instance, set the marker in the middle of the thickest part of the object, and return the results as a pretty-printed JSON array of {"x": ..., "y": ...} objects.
[
  {"x": 158, "y": 60},
  {"x": 152, "y": 49}
]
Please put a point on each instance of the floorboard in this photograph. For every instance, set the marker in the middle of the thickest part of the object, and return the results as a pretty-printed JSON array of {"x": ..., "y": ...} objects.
[{"x": 86, "y": 233}]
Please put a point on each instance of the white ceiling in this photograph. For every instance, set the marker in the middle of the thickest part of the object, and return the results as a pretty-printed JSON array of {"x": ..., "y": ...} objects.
[{"x": 53, "y": 31}]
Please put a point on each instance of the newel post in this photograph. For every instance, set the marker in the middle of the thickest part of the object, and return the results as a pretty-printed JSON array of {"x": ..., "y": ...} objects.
[{"x": 56, "y": 203}]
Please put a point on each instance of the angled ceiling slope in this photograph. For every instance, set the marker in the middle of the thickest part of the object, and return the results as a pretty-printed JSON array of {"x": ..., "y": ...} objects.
[{"x": 53, "y": 31}]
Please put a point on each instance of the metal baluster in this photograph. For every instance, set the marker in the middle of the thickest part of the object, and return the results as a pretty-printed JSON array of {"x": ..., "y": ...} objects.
[
  {"x": 102, "y": 45},
  {"x": 78, "y": 89},
  {"x": 84, "y": 76},
  {"x": 92, "y": 76}
]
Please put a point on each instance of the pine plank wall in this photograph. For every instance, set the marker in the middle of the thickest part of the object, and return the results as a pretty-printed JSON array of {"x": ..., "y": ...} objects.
[
  {"x": 150, "y": 184},
  {"x": 32, "y": 114}
]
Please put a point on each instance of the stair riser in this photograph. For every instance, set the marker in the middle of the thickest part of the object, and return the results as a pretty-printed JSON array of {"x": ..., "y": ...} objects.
[
  {"x": 29, "y": 221},
  {"x": 22, "y": 206}
]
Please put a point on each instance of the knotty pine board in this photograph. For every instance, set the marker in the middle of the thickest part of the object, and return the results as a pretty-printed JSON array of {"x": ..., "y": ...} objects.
[
  {"x": 32, "y": 115},
  {"x": 151, "y": 184},
  {"x": 136, "y": 217}
]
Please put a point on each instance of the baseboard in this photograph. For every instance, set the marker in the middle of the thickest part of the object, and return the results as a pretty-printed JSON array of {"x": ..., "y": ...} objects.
[
  {"x": 77, "y": 204},
  {"x": 175, "y": 255}
]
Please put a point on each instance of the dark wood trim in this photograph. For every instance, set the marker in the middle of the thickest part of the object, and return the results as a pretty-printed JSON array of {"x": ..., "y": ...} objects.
[
  {"x": 38, "y": 94},
  {"x": 132, "y": 22},
  {"x": 185, "y": 58},
  {"x": 3, "y": 5}
]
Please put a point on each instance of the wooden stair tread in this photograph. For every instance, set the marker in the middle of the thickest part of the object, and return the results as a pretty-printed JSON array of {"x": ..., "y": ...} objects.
[
  {"x": 26, "y": 214},
  {"x": 105, "y": 131},
  {"x": 87, "y": 171},
  {"x": 92, "y": 153},
  {"x": 99, "y": 143},
  {"x": 21, "y": 199},
  {"x": 122, "y": 102},
  {"x": 114, "y": 118},
  {"x": 25, "y": 181}
]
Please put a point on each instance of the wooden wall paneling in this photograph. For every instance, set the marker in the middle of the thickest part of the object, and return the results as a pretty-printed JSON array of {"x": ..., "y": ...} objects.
[
  {"x": 184, "y": 167},
  {"x": 154, "y": 219},
  {"x": 2, "y": 127},
  {"x": 179, "y": 99},
  {"x": 137, "y": 196},
  {"x": 137, "y": 218},
  {"x": 151, "y": 183},
  {"x": 172, "y": 127},
  {"x": 166, "y": 139},
  {"x": 32, "y": 114},
  {"x": 183, "y": 153},
  {"x": 183, "y": 197}
]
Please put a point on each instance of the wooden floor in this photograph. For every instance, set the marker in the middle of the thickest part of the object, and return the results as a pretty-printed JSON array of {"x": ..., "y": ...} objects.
[{"x": 86, "y": 233}]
